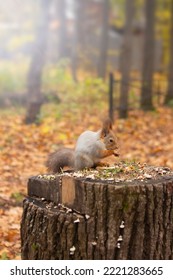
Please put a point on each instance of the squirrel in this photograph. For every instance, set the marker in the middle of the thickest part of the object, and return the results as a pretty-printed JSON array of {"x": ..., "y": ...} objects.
[{"x": 90, "y": 148}]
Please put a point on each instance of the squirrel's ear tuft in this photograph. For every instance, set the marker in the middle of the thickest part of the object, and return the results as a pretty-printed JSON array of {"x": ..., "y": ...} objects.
[{"x": 107, "y": 126}]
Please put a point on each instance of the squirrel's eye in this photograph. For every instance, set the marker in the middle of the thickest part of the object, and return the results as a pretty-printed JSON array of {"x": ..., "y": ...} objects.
[{"x": 111, "y": 140}]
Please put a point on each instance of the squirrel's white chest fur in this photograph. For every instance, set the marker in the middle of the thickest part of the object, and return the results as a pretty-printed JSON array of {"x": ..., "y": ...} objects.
[{"x": 89, "y": 142}]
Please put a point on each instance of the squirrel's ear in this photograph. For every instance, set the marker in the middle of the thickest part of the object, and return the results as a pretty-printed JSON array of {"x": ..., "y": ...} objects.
[{"x": 107, "y": 126}]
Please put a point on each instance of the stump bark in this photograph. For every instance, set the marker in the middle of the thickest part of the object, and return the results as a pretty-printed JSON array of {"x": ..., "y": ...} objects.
[{"x": 77, "y": 218}]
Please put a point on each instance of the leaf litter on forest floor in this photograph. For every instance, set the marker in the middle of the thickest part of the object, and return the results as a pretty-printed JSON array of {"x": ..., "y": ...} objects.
[{"x": 144, "y": 137}]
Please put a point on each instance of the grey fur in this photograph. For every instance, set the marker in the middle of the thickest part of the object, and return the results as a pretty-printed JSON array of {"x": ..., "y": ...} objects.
[{"x": 59, "y": 159}]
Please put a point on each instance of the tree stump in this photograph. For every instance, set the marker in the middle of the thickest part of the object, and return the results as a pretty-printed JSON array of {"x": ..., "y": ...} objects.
[{"x": 70, "y": 217}]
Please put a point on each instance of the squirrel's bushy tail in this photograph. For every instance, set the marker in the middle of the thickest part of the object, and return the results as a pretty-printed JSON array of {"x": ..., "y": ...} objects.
[{"x": 59, "y": 159}]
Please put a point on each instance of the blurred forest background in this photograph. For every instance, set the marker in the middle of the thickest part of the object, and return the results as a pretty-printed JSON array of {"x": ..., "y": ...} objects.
[{"x": 64, "y": 65}]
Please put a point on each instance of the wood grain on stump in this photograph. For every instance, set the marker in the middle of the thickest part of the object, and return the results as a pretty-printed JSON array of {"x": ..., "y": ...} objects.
[{"x": 65, "y": 217}]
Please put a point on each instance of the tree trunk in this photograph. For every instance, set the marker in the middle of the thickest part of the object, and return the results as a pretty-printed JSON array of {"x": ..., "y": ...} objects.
[
  {"x": 61, "y": 14},
  {"x": 125, "y": 59},
  {"x": 149, "y": 54},
  {"x": 74, "y": 47},
  {"x": 36, "y": 67},
  {"x": 102, "y": 60},
  {"x": 77, "y": 218},
  {"x": 81, "y": 22},
  {"x": 169, "y": 95}
]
